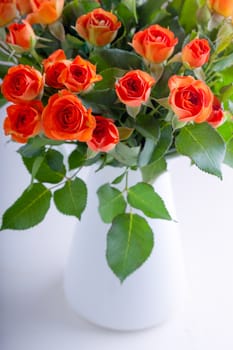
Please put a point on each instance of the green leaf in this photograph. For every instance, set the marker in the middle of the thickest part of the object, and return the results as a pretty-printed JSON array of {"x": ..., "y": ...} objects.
[
  {"x": 119, "y": 178},
  {"x": 125, "y": 155},
  {"x": 151, "y": 171},
  {"x": 223, "y": 63},
  {"x": 148, "y": 126},
  {"x": 148, "y": 10},
  {"x": 35, "y": 146},
  {"x": 109, "y": 75},
  {"x": 111, "y": 202},
  {"x": 143, "y": 197},
  {"x": 29, "y": 209},
  {"x": 226, "y": 130},
  {"x": 51, "y": 169},
  {"x": 78, "y": 157},
  {"x": 203, "y": 145},
  {"x": 129, "y": 244},
  {"x": 163, "y": 144},
  {"x": 71, "y": 199},
  {"x": 146, "y": 153},
  {"x": 109, "y": 58},
  {"x": 188, "y": 15},
  {"x": 229, "y": 153}
]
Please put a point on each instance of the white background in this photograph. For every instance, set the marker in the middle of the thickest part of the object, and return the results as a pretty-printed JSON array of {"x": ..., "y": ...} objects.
[{"x": 34, "y": 313}]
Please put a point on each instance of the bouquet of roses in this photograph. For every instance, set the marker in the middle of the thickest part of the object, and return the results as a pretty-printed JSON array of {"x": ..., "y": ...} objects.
[{"x": 122, "y": 84}]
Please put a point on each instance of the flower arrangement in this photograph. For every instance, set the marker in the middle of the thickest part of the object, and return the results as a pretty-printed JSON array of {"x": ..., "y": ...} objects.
[{"x": 122, "y": 84}]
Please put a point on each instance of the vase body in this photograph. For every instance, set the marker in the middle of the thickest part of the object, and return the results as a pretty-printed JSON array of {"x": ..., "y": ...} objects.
[{"x": 149, "y": 296}]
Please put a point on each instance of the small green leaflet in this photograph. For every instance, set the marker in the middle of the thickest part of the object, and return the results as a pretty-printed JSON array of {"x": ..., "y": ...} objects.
[
  {"x": 29, "y": 209},
  {"x": 71, "y": 199},
  {"x": 129, "y": 243},
  {"x": 111, "y": 202},
  {"x": 143, "y": 197}
]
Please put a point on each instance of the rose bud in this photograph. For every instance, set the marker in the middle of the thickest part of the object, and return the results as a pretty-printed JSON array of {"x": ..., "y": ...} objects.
[
  {"x": 53, "y": 66},
  {"x": 134, "y": 88},
  {"x": 21, "y": 34},
  {"x": 196, "y": 53},
  {"x": 190, "y": 99},
  {"x": 105, "y": 135},
  {"x": 222, "y": 7},
  {"x": 8, "y": 11},
  {"x": 217, "y": 115},
  {"x": 45, "y": 11},
  {"x": 22, "y": 83},
  {"x": 98, "y": 27},
  {"x": 23, "y": 120},
  {"x": 154, "y": 43}
]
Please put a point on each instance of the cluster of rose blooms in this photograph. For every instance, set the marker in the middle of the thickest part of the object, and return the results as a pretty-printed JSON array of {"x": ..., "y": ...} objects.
[{"x": 65, "y": 117}]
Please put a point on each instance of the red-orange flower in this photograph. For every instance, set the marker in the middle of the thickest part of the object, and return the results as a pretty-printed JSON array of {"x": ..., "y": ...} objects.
[
  {"x": 23, "y": 120},
  {"x": 24, "y": 6},
  {"x": 65, "y": 118},
  {"x": 8, "y": 11},
  {"x": 154, "y": 43},
  {"x": 134, "y": 87},
  {"x": 217, "y": 115},
  {"x": 222, "y": 7},
  {"x": 22, "y": 83},
  {"x": 105, "y": 135},
  {"x": 53, "y": 66},
  {"x": 79, "y": 75},
  {"x": 196, "y": 53},
  {"x": 21, "y": 34},
  {"x": 45, "y": 11},
  {"x": 99, "y": 27},
  {"x": 190, "y": 99}
]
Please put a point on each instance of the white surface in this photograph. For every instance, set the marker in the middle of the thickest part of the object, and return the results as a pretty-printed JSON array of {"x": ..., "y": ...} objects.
[
  {"x": 33, "y": 311},
  {"x": 151, "y": 294}
]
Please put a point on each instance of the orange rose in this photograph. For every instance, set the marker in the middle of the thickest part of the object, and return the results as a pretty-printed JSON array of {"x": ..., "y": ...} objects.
[
  {"x": 65, "y": 118},
  {"x": 79, "y": 75},
  {"x": 99, "y": 27},
  {"x": 196, "y": 53},
  {"x": 105, "y": 135},
  {"x": 23, "y": 120},
  {"x": 190, "y": 99},
  {"x": 53, "y": 66},
  {"x": 21, "y": 34},
  {"x": 222, "y": 7},
  {"x": 8, "y": 11},
  {"x": 216, "y": 117},
  {"x": 22, "y": 83},
  {"x": 155, "y": 43},
  {"x": 45, "y": 11},
  {"x": 134, "y": 87},
  {"x": 23, "y": 6}
]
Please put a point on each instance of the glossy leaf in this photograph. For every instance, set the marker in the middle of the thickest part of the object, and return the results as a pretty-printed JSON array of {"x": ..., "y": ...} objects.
[
  {"x": 71, "y": 199},
  {"x": 129, "y": 244},
  {"x": 203, "y": 145},
  {"x": 111, "y": 202},
  {"x": 151, "y": 171},
  {"x": 143, "y": 197},
  {"x": 29, "y": 209}
]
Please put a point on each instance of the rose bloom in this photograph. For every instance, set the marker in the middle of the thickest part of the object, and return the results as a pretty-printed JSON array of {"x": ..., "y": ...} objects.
[
  {"x": 23, "y": 120},
  {"x": 45, "y": 11},
  {"x": 21, "y": 34},
  {"x": 53, "y": 66},
  {"x": 196, "y": 53},
  {"x": 79, "y": 75},
  {"x": 154, "y": 43},
  {"x": 8, "y": 11},
  {"x": 24, "y": 6},
  {"x": 222, "y": 7},
  {"x": 217, "y": 115},
  {"x": 105, "y": 135},
  {"x": 98, "y": 27},
  {"x": 134, "y": 87},
  {"x": 65, "y": 118},
  {"x": 22, "y": 83},
  {"x": 190, "y": 99}
]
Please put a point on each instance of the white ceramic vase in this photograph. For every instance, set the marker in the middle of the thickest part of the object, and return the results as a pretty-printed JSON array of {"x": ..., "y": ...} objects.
[{"x": 149, "y": 296}]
